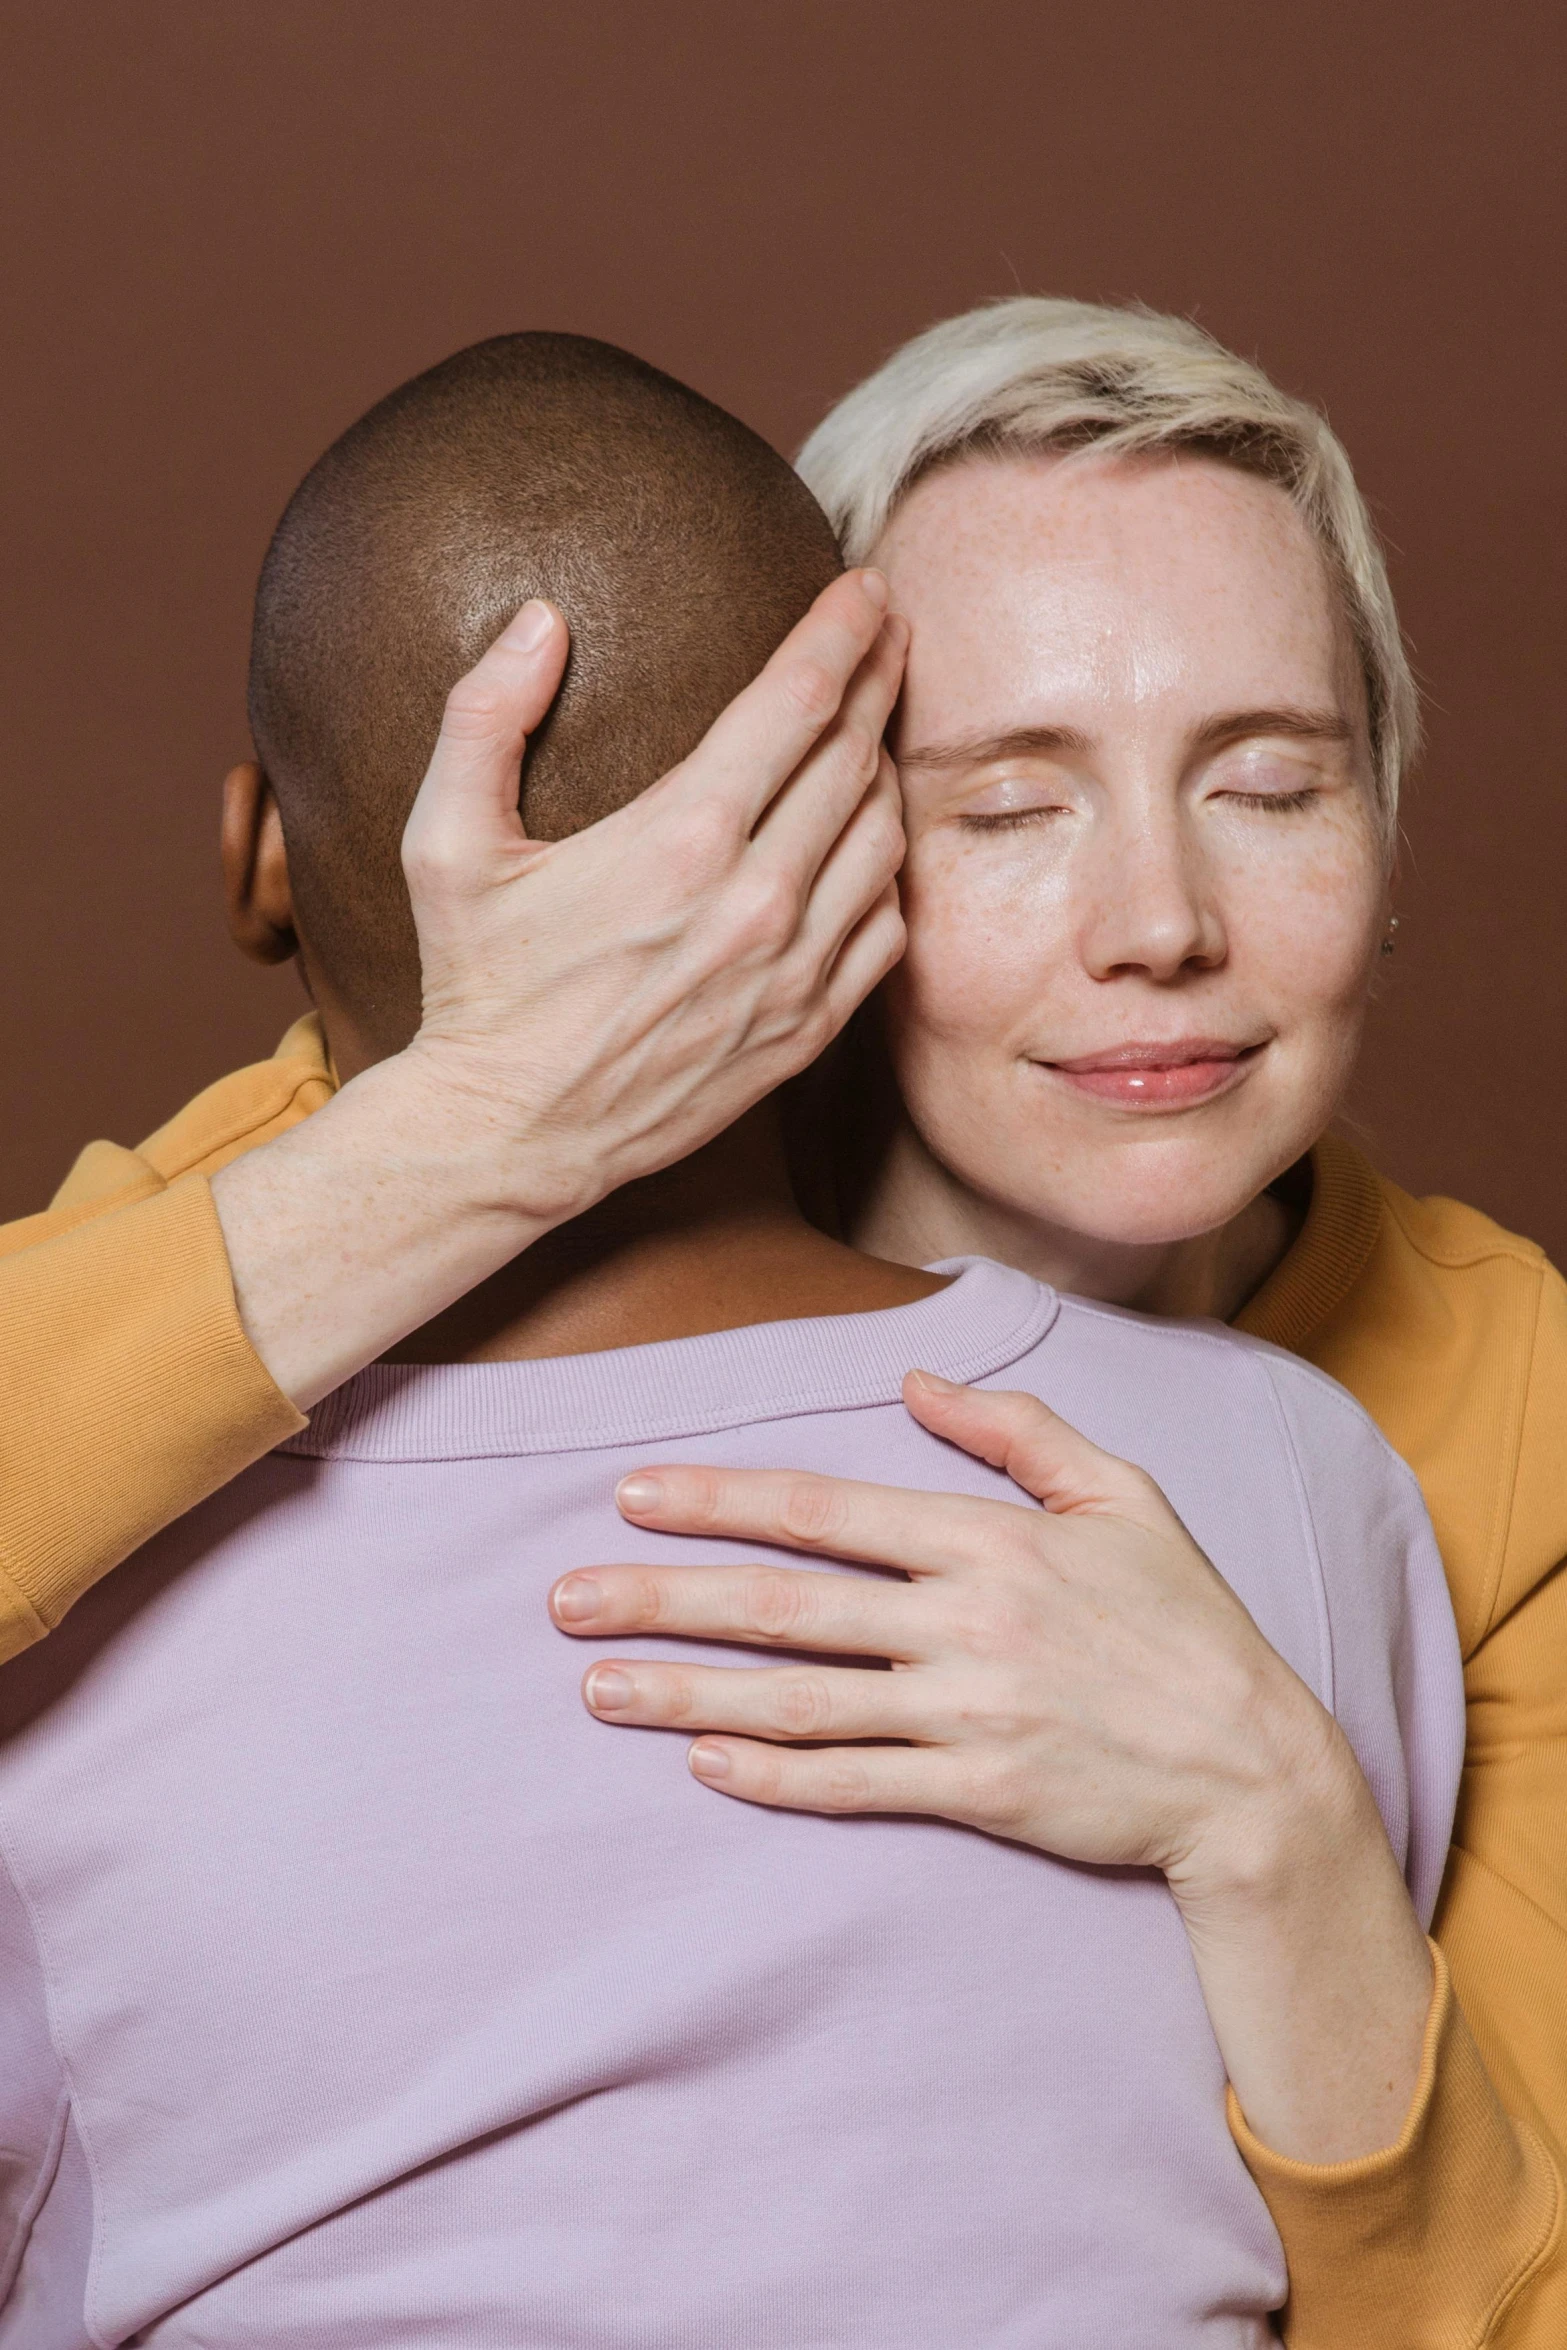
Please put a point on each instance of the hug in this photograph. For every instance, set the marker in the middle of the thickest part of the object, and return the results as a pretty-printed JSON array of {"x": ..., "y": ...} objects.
[{"x": 809, "y": 1174}]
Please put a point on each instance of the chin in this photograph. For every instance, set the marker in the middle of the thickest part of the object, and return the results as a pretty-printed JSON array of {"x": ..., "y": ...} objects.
[
  {"x": 1159, "y": 1191},
  {"x": 1131, "y": 1219}
]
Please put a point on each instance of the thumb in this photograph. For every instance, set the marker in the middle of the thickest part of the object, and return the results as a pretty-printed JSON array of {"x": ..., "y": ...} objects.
[
  {"x": 470, "y": 791},
  {"x": 1039, "y": 1450}
]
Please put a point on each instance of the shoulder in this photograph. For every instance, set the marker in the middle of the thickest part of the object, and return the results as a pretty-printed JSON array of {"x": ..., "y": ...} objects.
[
  {"x": 1452, "y": 1332},
  {"x": 1233, "y": 1395},
  {"x": 240, "y": 1111},
  {"x": 1450, "y": 1237},
  {"x": 245, "y": 1108}
]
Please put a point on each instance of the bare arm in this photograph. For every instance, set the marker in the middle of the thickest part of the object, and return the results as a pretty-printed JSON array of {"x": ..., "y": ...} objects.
[
  {"x": 1078, "y": 1678},
  {"x": 594, "y": 1008}
]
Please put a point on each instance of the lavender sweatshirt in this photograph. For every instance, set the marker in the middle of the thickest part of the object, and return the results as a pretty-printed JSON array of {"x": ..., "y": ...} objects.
[{"x": 358, "y": 1991}]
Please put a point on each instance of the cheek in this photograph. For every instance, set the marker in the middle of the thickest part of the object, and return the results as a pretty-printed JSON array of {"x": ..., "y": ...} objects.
[
  {"x": 1304, "y": 926},
  {"x": 988, "y": 941}
]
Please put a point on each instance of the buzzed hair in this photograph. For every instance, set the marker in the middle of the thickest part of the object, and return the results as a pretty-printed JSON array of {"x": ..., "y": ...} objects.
[{"x": 679, "y": 546}]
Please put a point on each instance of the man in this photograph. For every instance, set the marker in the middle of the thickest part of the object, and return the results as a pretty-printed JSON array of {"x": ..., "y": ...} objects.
[
  {"x": 171, "y": 1314},
  {"x": 360, "y": 1987}
]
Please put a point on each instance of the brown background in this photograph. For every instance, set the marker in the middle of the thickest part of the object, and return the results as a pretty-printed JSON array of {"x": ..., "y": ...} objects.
[{"x": 227, "y": 229}]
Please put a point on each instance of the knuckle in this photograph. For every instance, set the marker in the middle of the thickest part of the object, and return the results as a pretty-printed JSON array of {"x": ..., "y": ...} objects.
[
  {"x": 474, "y": 708},
  {"x": 646, "y": 1603},
  {"x": 860, "y": 748},
  {"x": 697, "y": 1494},
  {"x": 814, "y": 1028},
  {"x": 994, "y": 1797},
  {"x": 804, "y": 1705},
  {"x": 1140, "y": 1486},
  {"x": 431, "y": 852},
  {"x": 779, "y": 1604},
  {"x": 845, "y": 1786},
  {"x": 992, "y": 1628},
  {"x": 701, "y": 840},
  {"x": 809, "y": 1510},
  {"x": 812, "y": 688},
  {"x": 680, "y": 1700},
  {"x": 765, "y": 913}
]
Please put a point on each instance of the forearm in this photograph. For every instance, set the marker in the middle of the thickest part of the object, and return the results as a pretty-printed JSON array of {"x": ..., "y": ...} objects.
[
  {"x": 1452, "y": 2235},
  {"x": 377, "y": 1213},
  {"x": 127, "y": 1394},
  {"x": 1314, "y": 1969}
]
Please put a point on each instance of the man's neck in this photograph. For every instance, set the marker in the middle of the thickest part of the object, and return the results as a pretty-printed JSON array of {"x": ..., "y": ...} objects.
[{"x": 715, "y": 1243}]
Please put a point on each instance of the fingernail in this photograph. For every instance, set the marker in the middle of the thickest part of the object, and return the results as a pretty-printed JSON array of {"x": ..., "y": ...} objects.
[
  {"x": 930, "y": 1380},
  {"x": 639, "y": 1493},
  {"x": 709, "y": 1762},
  {"x": 608, "y": 1690},
  {"x": 532, "y": 625},
  {"x": 875, "y": 585},
  {"x": 578, "y": 1598}
]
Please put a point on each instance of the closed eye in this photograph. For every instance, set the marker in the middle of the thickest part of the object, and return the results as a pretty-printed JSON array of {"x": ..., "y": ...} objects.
[
  {"x": 1006, "y": 819},
  {"x": 1277, "y": 803}
]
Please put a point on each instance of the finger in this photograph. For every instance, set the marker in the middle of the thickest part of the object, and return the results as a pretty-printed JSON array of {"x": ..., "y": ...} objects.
[
  {"x": 1039, "y": 1450},
  {"x": 869, "y": 952},
  {"x": 795, "y": 1509},
  {"x": 760, "y": 1607},
  {"x": 856, "y": 873},
  {"x": 471, "y": 786},
  {"x": 803, "y": 823},
  {"x": 750, "y": 751},
  {"x": 780, "y": 1701},
  {"x": 833, "y": 1779}
]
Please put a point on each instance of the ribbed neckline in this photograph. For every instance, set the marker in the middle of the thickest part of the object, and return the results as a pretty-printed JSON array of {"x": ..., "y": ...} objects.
[
  {"x": 1330, "y": 1253},
  {"x": 987, "y": 1317}
]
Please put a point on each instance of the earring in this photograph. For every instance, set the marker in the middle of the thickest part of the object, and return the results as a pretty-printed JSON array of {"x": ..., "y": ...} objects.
[{"x": 1391, "y": 940}]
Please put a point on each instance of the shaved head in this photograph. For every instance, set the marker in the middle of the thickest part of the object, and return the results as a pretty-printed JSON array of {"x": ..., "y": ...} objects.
[{"x": 679, "y": 546}]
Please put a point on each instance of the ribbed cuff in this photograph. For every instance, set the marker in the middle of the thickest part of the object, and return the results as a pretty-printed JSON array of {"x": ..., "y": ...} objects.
[
  {"x": 128, "y": 1393},
  {"x": 1427, "y": 2241}
]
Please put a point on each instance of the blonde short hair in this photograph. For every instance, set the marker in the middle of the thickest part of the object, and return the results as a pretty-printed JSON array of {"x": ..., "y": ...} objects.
[{"x": 1024, "y": 374}]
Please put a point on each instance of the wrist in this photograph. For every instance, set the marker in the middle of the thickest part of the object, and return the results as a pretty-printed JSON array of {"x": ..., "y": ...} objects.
[
  {"x": 468, "y": 1144},
  {"x": 1303, "y": 1810}
]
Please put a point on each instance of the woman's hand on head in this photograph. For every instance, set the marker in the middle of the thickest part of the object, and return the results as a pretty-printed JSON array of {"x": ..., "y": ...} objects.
[
  {"x": 595, "y": 1008},
  {"x": 609, "y": 1002},
  {"x": 1077, "y": 1677}
]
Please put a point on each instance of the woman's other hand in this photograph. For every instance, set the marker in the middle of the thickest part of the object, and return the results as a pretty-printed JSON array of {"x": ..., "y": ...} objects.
[{"x": 1076, "y": 1677}]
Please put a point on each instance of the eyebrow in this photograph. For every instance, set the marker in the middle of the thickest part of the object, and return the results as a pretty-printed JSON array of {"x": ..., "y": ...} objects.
[
  {"x": 1021, "y": 742},
  {"x": 978, "y": 750}
]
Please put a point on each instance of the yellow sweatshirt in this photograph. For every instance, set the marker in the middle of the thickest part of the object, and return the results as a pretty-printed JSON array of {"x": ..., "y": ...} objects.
[{"x": 128, "y": 1391}]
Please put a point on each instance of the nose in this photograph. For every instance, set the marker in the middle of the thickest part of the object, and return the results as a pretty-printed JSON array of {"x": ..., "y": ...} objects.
[{"x": 1153, "y": 910}]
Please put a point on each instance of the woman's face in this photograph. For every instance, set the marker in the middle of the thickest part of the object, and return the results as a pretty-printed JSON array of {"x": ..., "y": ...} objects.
[{"x": 1144, "y": 887}]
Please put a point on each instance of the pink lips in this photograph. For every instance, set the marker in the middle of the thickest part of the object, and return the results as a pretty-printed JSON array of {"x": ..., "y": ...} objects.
[{"x": 1154, "y": 1076}]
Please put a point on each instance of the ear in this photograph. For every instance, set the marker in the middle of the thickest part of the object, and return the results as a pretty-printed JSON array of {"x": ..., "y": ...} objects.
[{"x": 256, "y": 891}]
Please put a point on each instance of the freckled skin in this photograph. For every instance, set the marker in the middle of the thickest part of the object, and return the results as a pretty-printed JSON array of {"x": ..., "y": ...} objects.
[{"x": 1198, "y": 858}]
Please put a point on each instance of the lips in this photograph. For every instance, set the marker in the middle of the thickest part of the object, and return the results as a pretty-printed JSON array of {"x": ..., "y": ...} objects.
[{"x": 1169, "y": 1074}]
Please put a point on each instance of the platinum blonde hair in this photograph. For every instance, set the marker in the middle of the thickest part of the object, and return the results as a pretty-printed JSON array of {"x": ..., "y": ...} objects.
[{"x": 1025, "y": 375}]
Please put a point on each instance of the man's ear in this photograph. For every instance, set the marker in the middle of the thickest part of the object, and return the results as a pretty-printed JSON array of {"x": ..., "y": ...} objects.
[{"x": 256, "y": 891}]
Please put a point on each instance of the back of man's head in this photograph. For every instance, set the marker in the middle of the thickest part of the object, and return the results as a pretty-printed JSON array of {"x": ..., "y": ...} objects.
[{"x": 679, "y": 546}]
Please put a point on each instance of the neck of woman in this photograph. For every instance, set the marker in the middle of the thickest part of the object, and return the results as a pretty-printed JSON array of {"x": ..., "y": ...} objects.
[{"x": 920, "y": 1215}]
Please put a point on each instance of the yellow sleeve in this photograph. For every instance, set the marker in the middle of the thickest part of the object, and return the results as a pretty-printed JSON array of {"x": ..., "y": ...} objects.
[
  {"x": 1456, "y": 2236},
  {"x": 128, "y": 1389},
  {"x": 1449, "y": 2240}
]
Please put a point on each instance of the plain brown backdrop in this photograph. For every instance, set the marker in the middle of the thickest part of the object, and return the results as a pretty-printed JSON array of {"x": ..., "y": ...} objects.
[{"x": 229, "y": 228}]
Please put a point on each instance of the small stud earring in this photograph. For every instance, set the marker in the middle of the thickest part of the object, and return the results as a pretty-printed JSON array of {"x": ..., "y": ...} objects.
[{"x": 1391, "y": 940}]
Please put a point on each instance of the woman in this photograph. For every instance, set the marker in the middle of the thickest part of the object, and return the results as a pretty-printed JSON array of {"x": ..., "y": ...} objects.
[{"x": 1155, "y": 716}]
